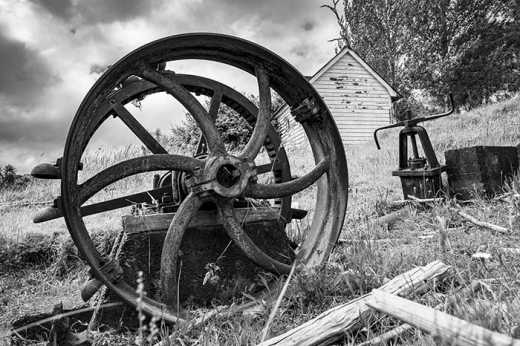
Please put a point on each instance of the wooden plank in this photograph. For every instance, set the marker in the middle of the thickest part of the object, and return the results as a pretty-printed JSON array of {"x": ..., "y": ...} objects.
[
  {"x": 357, "y": 136},
  {"x": 349, "y": 116},
  {"x": 331, "y": 88},
  {"x": 350, "y": 91},
  {"x": 361, "y": 121},
  {"x": 361, "y": 124},
  {"x": 356, "y": 107},
  {"x": 205, "y": 218},
  {"x": 295, "y": 138},
  {"x": 437, "y": 323},
  {"x": 358, "y": 116},
  {"x": 391, "y": 334},
  {"x": 356, "y": 142},
  {"x": 343, "y": 69},
  {"x": 352, "y": 87},
  {"x": 342, "y": 77},
  {"x": 357, "y": 104},
  {"x": 358, "y": 128},
  {"x": 332, "y": 324},
  {"x": 346, "y": 135},
  {"x": 352, "y": 133},
  {"x": 355, "y": 132},
  {"x": 334, "y": 80},
  {"x": 345, "y": 82},
  {"x": 359, "y": 100},
  {"x": 344, "y": 109},
  {"x": 354, "y": 104},
  {"x": 357, "y": 82}
]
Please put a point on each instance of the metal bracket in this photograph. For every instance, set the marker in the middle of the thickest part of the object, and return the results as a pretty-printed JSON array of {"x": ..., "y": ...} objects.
[
  {"x": 111, "y": 269},
  {"x": 307, "y": 111}
]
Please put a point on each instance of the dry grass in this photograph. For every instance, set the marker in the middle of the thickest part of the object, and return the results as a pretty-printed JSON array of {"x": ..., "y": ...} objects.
[{"x": 353, "y": 269}]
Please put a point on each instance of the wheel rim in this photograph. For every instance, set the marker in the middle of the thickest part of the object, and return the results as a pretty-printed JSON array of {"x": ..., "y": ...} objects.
[{"x": 326, "y": 144}]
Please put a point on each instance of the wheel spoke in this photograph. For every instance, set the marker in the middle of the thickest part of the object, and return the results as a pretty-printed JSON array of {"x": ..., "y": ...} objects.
[
  {"x": 244, "y": 242},
  {"x": 265, "y": 168},
  {"x": 138, "y": 129},
  {"x": 216, "y": 99},
  {"x": 288, "y": 188},
  {"x": 172, "y": 245},
  {"x": 263, "y": 118},
  {"x": 167, "y": 82},
  {"x": 134, "y": 166},
  {"x": 214, "y": 104},
  {"x": 95, "y": 208}
]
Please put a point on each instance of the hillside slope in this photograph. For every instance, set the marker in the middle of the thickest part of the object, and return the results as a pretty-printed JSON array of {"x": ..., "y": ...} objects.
[{"x": 371, "y": 254}]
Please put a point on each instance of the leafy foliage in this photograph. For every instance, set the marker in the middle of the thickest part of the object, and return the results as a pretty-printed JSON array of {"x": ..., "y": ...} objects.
[
  {"x": 233, "y": 128},
  {"x": 469, "y": 48},
  {"x": 8, "y": 174},
  {"x": 9, "y": 178}
]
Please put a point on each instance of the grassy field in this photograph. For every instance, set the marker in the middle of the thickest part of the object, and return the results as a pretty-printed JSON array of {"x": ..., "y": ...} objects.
[{"x": 373, "y": 254}]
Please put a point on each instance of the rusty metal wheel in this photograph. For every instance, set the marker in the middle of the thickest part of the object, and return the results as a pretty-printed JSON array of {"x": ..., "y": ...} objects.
[{"x": 221, "y": 177}]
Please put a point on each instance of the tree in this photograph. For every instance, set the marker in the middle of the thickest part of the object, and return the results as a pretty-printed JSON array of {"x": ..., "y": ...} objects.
[
  {"x": 376, "y": 30},
  {"x": 486, "y": 56},
  {"x": 466, "y": 47},
  {"x": 457, "y": 48},
  {"x": 7, "y": 175},
  {"x": 234, "y": 130}
]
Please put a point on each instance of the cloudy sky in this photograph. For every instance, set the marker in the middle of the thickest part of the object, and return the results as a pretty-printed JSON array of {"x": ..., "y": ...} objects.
[{"x": 52, "y": 51}]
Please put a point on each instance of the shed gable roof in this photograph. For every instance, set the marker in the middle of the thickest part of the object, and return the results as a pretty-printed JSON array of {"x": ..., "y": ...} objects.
[{"x": 393, "y": 94}]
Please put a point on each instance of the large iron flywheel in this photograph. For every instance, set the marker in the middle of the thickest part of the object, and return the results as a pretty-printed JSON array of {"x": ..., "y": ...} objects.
[{"x": 218, "y": 177}]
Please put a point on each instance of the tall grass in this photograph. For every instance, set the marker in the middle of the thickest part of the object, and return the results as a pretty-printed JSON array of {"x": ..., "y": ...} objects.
[{"x": 356, "y": 269}]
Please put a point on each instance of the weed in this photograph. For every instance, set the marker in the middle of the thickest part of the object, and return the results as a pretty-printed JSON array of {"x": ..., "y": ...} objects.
[{"x": 419, "y": 236}]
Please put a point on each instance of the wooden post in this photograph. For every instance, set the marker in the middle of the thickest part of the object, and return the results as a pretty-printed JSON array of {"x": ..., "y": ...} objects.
[
  {"x": 332, "y": 324},
  {"x": 437, "y": 323}
]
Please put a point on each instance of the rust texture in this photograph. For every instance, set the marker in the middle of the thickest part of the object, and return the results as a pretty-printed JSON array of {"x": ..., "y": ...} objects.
[
  {"x": 215, "y": 176},
  {"x": 420, "y": 175}
]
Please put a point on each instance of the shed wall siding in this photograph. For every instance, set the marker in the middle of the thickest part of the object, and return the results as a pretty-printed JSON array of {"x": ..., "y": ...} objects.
[{"x": 358, "y": 102}]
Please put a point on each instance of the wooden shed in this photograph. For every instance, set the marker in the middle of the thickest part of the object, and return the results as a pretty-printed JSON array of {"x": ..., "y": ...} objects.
[{"x": 359, "y": 99}]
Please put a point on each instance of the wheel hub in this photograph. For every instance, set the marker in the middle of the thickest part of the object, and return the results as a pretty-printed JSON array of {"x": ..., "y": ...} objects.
[
  {"x": 228, "y": 175},
  {"x": 223, "y": 176}
]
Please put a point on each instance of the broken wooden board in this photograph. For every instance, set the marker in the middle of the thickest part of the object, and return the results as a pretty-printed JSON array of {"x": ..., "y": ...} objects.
[
  {"x": 450, "y": 329},
  {"x": 332, "y": 324}
]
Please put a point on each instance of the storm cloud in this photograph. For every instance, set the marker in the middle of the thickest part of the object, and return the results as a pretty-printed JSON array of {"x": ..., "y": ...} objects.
[
  {"x": 97, "y": 11},
  {"x": 52, "y": 52},
  {"x": 33, "y": 129},
  {"x": 308, "y": 25},
  {"x": 23, "y": 73}
]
